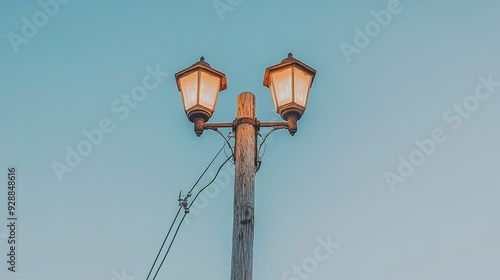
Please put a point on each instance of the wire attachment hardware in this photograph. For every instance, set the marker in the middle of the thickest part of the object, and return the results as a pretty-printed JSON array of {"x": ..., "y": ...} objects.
[
  {"x": 258, "y": 163},
  {"x": 184, "y": 201}
]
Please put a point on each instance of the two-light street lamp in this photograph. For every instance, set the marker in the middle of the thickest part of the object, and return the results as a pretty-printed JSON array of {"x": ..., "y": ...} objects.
[
  {"x": 289, "y": 83},
  {"x": 200, "y": 84}
]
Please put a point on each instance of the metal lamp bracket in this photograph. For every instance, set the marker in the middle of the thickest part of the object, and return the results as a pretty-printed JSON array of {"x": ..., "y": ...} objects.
[{"x": 254, "y": 122}]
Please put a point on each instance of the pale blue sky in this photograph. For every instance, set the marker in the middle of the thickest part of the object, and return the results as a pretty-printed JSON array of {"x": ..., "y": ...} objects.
[{"x": 113, "y": 210}]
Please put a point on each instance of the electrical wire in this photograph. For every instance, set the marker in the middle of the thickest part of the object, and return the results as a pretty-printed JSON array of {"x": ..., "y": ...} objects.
[
  {"x": 215, "y": 177},
  {"x": 201, "y": 190},
  {"x": 180, "y": 207},
  {"x": 170, "y": 246},
  {"x": 225, "y": 138},
  {"x": 232, "y": 158},
  {"x": 265, "y": 147},
  {"x": 210, "y": 164},
  {"x": 164, "y": 240},
  {"x": 267, "y": 135},
  {"x": 229, "y": 136},
  {"x": 264, "y": 139},
  {"x": 185, "y": 213}
]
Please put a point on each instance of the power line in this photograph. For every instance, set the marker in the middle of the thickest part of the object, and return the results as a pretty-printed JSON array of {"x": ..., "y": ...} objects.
[
  {"x": 183, "y": 203},
  {"x": 170, "y": 246},
  {"x": 164, "y": 240},
  {"x": 210, "y": 164},
  {"x": 185, "y": 213},
  {"x": 215, "y": 177}
]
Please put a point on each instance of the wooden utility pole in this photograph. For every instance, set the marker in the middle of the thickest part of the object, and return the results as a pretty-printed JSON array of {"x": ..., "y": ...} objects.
[{"x": 244, "y": 183}]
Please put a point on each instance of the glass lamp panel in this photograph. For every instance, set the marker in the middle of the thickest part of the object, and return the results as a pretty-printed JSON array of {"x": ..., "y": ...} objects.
[
  {"x": 302, "y": 83},
  {"x": 273, "y": 93},
  {"x": 282, "y": 82},
  {"x": 209, "y": 89},
  {"x": 189, "y": 90}
]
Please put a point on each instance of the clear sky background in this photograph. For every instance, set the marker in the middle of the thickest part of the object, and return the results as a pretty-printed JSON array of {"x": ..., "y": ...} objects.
[{"x": 110, "y": 214}]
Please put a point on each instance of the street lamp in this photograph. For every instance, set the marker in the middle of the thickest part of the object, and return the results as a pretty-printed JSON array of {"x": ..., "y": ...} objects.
[
  {"x": 289, "y": 83},
  {"x": 200, "y": 84}
]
